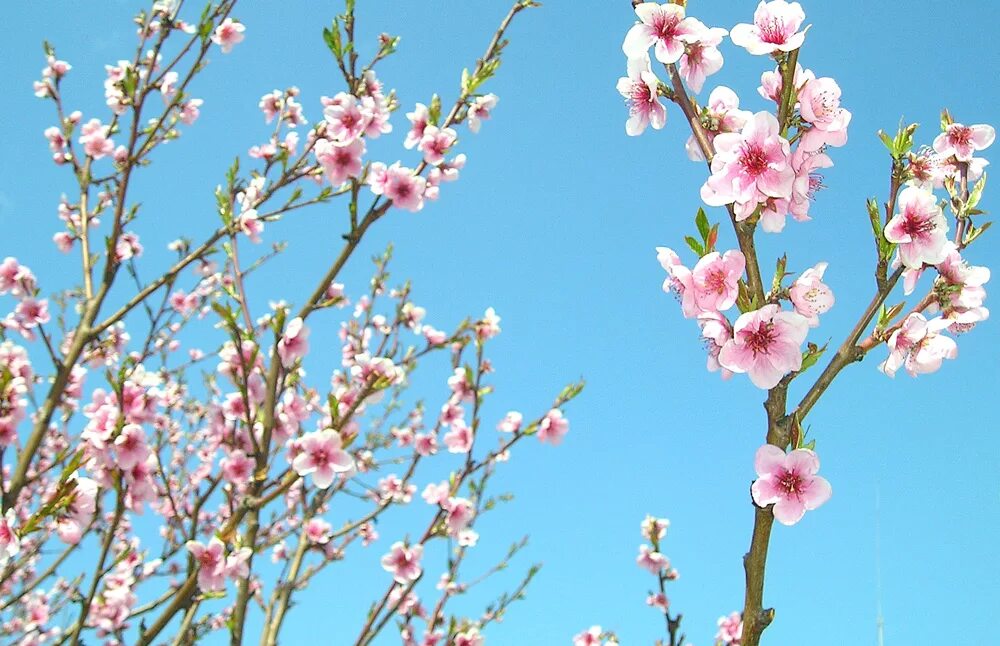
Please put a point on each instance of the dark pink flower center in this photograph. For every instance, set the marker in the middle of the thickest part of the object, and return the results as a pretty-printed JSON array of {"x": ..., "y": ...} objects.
[
  {"x": 960, "y": 135},
  {"x": 664, "y": 25},
  {"x": 639, "y": 98},
  {"x": 917, "y": 226},
  {"x": 754, "y": 159},
  {"x": 693, "y": 53},
  {"x": 321, "y": 458},
  {"x": 760, "y": 340},
  {"x": 791, "y": 483},
  {"x": 815, "y": 185},
  {"x": 716, "y": 281},
  {"x": 773, "y": 32}
]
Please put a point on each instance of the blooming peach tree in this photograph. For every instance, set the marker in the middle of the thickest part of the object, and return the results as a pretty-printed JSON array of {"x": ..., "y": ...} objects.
[
  {"x": 764, "y": 167},
  {"x": 151, "y": 488}
]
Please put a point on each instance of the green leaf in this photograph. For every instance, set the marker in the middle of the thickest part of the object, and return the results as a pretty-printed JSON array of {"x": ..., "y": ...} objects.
[
  {"x": 975, "y": 194},
  {"x": 434, "y": 110},
  {"x": 331, "y": 36},
  {"x": 695, "y": 246},
  {"x": 974, "y": 232},
  {"x": 701, "y": 221},
  {"x": 886, "y": 315},
  {"x": 779, "y": 273},
  {"x": 946, "y": 120},
  {"x": 743, "y": 300},
  {"x": 889, "y": 143},
  {"x": 811, "y": 356}
]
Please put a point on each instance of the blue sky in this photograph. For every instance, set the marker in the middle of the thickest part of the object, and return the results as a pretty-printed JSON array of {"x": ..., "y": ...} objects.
[{"x": 554, "y": 223}]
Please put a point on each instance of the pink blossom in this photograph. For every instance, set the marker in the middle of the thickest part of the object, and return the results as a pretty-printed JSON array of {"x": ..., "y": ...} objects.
[
  {"x": 774, "y": 29},
  {"x": 425, "y": 444},
  {"x": 651, "y": 560},
  {"x": 589, "y": 637},
  {"x": 403, "y": 562},
  {"x": 317, "y": 530},
  {"x": 658, "y": 600},
  {"x": 488, "y": 326},
  {"x": 641, "y": 92},
  {"x": 436, "y": 494},
  {"x": 270, "y": 104},
  {"x": 511, "y": 423},
  {"x": 237, "y": 468},
  {"x": 419, "y": 120},
  {"x": 789, "y": 482},
  {"x": 766, "y": 344},
  {"x": 807, "y": 183},
  {"x": 949, "y": 167},
  {"x": 293, "y": 111},
  {"x": 919, "y": 346},
  {"x": 31, "y": 312},
  {"x": 716, "y": 331},
  {"x": 10, "y": 543},
  {"x": 963, "y": 301},
  {"x": 714, "y": 280},
  {"x": 346, "y": 118},
  {"x": 182, "y": 303},
  {"x": 435, "y": 142},
  {"x": 236, "y": 566},
  {"x": 819, "y": 104},
  {"x": 920, "y": 228},
  {"x": 460, "y": 438},
  {"x": 128, "y": 246},
  {"x": 399, "y": 184},
  {"x": 392, "y": 489},
  {"x": 679, "y": 280},
  {"x": 721, "y": 114},
  {"x": 654, "y": 527},
  {"x": 701, "y": 57},
  {"x": 771, "y": 82},
  {"x": 663, "y": 26},
  {"x": 294, "y": 343},
  {"x": 211, "y": 564},
  {"x": 553, "y": 427},
  {"x": 480, "y": 110},
  {"x": 227, "y": 34},
  {"x": 130, "y": 446},
  {"x": 810, "y": 295},
  {"x": 730, "y": 629},
  {"x": 963, "y": 141},
  {"x": 96, "y": 140},
  {"x": 63, "y": 241},
  {"x": 459, "y": 512},
  {"x": 168, "y": 86},
  {"x": 57, "y": 141},
  {"x": 321, "y": 455},
  {"x": 191, "y": 110},
  {"x": 750, "y": 166},
  {"x": 340, "y": 161},
  {"x": 469, "y": 637}
]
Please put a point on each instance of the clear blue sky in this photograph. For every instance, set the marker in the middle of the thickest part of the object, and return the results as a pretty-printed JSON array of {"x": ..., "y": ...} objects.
[{"x": 554, "y": 224}]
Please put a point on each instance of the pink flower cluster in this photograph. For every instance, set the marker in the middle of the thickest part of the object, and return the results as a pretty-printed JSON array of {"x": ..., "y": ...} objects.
[
  {"x": 215, "y": 566},
  {"x": 17, "y": 381},
  {"x": 765, "y": 343},
  {"x": 676, "y": 39}
]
